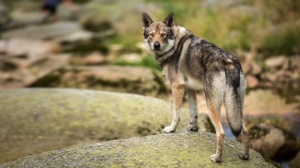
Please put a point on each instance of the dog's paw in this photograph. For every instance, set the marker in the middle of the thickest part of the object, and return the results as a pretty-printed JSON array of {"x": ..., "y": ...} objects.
[
  {"x": 215, "y": 158},
  {"x": 244, "y": 156},
  {"x": 192, "y": 128},
  {"x": 168, "y": 129}
]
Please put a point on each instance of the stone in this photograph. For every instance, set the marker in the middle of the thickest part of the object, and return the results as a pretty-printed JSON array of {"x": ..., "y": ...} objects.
[
  {"x": 5, "y": 17},
  {"x": 295, "y": 63},
  {"x": 270, "y": 143},
  {"x": 47, "y": 31},
  {"x": 73, "y": 37},
  {"x": 261, "y": 102},
  {"x": 252, "y": 81},
  {"x": 138, "y": 80},
  {"x": 269, "y": 76},
  {"x": 270, "y": 139},
  {"x": 256, "y": 69},
  {"x": 181, "y": 149},
  {"x": 2, "y": 46},
  {"x": 94, "y": 58},
  {"x": 275, "y": 62},
  {"x": 32, "y": 49},
  {"x": 130, "y": 58},
  {"x": 28, "y": 72},
  {"x": 37, "y": 120},
  {"x": 295, "y": 162}
]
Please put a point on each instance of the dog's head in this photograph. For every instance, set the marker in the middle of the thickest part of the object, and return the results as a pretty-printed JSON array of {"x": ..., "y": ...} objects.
[{"x": 158, "y": 36}]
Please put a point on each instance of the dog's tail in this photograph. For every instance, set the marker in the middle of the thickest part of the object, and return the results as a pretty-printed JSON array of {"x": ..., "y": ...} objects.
[{"x": 234, "y": 96}]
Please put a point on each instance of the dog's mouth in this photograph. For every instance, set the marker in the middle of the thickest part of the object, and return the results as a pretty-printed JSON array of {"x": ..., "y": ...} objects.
[{"x": 156, "y": 49}]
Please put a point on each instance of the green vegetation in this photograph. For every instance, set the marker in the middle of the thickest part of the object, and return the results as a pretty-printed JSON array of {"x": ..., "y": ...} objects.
[
  {"x": 269, "y": 27},
  {"x": 146, "y": 61},
  {"x": 266, "y": 25},
  {"x": 283, "y": 41}
]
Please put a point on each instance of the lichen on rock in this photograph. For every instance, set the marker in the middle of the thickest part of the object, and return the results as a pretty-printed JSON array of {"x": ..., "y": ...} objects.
[
  {"x": 180, "y": 149},
  {"x": 38, "y": 120}
]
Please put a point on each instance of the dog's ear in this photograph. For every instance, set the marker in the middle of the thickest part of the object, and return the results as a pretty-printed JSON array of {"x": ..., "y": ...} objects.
[
  {"x": 147, "y": 21},
  {"x": 169, "y": 21}
]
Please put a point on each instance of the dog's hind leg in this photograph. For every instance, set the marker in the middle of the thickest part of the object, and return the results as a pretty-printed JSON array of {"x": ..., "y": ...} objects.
[
  {"x": 193, "y": 126},
  {"x": 214, "y": 92},
  {"x": 245, "y": 140},
  {"x": 177, "y": 94},
  {"x": 245, "y": 153},
  {"x": 214, "y": 115}
]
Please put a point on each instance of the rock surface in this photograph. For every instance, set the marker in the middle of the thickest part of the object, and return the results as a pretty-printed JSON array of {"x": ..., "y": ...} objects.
[
  {"x": 37, "y": 120},
  {"x": 138, "y": 80},
  {"x": 181, "y": 149},
  {"x": 48, "y": 31},
  {"x": 271, "y": 138}
]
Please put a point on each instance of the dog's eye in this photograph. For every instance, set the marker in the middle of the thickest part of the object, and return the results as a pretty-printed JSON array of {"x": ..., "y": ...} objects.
[
  {"x": 163, "y": 35},
  {"x": 151, "y": 34}
]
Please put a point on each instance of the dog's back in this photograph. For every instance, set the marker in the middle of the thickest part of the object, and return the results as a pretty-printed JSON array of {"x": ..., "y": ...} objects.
[{"x": 221, "y": 75}]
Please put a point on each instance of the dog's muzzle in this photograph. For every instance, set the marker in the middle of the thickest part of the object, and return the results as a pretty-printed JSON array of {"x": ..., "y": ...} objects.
[{"x": 156, "y": 46}]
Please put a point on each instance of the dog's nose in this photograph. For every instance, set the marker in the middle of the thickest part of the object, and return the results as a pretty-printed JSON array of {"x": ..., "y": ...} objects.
[{"x": 156, "y": 45}]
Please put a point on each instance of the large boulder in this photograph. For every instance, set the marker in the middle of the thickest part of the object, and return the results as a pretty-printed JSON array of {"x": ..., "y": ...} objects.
[
  {"x": 130, "y": 79},
  {"x": 276, "y": 62},
  {"x": 47, "y": 31},
  {"x": 165, "y": 150},
  {"x": 16, "y": 73},
  {"x": 275, "y": 137},
  {"x": 37, "y": 120}
]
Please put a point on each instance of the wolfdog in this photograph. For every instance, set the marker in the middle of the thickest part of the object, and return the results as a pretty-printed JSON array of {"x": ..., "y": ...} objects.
[{"x": 191, "y": 63}]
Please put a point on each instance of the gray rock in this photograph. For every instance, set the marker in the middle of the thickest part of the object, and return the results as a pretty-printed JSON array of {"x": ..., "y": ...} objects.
[
  {"x": 268, "y": 137},
  {"x": 275, "y": 62},
  {"x": 295, "y": 162},
  {"x": 130, "y": 58},
  {"x": 270, "y": 76},
  {"x": 180, "y": 149},
  {"x": 47, "y": 31},
  {"x": 128, "y": 79},
  {"x": 252, "y": 81},
  {"x": 37, "y": 120},
  {"x": 295, "y": 63},
  {"x": 256, "y": 69},
  {"x": 32, "y": 49},
  {"x": 25, "y": 72},
  {"x": 5, "y": 17},
  {"x": 94, "y": 58},
  {"x": 270, "y": 143}
]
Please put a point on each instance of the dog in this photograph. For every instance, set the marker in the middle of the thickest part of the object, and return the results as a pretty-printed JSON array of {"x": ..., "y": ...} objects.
[{"x": 191, "y": 63}]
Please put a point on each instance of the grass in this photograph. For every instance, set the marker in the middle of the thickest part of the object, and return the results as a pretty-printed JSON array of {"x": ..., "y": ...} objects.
[
  {"x": 282, "y": 41},
  {"x": 270, "y": 27},
  {"x": 267, "y": 27}
]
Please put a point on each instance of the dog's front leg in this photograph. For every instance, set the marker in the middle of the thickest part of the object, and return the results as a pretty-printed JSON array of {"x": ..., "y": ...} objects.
[
  {"x": 193, "y": 126},
  {"x": 177, "y": 93}
]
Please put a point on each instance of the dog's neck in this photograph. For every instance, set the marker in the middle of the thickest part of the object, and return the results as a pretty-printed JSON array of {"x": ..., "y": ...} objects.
[{"x": 181, "y": 34}]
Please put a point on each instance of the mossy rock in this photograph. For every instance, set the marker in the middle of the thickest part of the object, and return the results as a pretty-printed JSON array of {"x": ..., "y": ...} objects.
[
  {"x": 181, "y": 149},
  {"x": 38, "y": 120}
]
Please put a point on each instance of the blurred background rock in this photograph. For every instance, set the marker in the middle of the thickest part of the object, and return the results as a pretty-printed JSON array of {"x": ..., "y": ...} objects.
[{"x": 99, "y": 46}]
